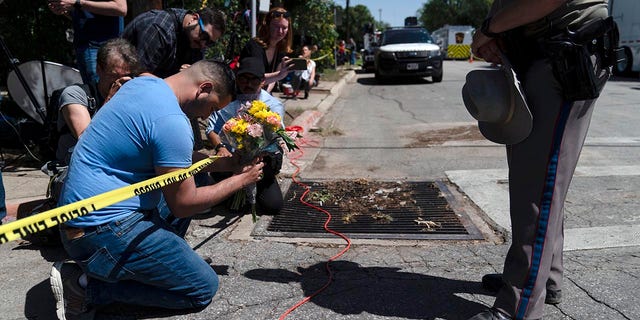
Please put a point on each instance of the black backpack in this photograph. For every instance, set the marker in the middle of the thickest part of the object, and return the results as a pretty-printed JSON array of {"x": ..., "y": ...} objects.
[{"x": 51, "y": 119}]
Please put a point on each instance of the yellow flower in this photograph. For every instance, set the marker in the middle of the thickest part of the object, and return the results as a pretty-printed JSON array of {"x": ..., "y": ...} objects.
[{"x": 257, "y": 106}]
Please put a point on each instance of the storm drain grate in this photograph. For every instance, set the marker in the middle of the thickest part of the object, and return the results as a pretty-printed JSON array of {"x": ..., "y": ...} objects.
[{"x": 389, "y": 210}]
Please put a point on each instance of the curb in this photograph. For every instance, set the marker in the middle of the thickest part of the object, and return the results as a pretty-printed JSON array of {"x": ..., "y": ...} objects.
[
  {"x": 309, "y": 118},
  {"x": 335, "y": 92}
]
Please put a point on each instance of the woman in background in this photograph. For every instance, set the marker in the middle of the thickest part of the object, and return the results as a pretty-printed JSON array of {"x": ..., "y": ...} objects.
[
  {"x": 308, "y": 76},
  {"x": 272, "y": 45}
]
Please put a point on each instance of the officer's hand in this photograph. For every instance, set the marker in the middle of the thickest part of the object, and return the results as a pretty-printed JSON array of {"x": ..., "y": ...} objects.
[{"x": 490, "y": 52}]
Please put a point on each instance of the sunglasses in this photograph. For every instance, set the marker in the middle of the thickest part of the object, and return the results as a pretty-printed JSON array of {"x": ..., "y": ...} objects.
[
  {"x": 204, "y": 36},
  {"x": 280, "y": 14}
]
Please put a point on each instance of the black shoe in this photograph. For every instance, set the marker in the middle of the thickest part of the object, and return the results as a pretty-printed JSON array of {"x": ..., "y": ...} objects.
[
  {"x": 493, "y": 282},
  {"x": 553, "y": 297},
  {"x": 491, "y": 314}
]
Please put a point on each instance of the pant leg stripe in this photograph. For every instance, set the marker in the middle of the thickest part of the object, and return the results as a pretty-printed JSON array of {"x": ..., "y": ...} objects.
[{"x": 545, "y": 210}]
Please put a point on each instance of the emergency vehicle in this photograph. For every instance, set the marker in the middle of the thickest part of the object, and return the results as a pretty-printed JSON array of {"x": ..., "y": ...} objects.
[
  {"x": 454, "y": 41},
  {"x": 626, "y": 13}
]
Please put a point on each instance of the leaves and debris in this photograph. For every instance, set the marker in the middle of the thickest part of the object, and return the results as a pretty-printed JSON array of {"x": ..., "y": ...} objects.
[
  {"x": 428, "y": 224},
  {"x": 362, "y": 197}
]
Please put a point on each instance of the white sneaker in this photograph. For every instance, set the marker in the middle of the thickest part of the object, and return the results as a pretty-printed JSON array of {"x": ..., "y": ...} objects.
[{"x": 69, "y": 295}]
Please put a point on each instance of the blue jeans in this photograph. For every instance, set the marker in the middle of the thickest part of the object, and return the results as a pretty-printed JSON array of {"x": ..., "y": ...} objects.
[
  {"x": 87, "y": 58},
  {"x": 140, "y": 260},
  {"x": 3, "y": 204}
]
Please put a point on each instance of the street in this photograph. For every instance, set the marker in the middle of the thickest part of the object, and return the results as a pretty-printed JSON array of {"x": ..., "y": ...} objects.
[
  {"x": 410, "y": 130},
  {"x": 418, "y": 130}
]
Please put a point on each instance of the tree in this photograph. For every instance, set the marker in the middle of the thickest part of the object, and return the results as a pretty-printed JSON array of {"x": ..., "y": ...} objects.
[
  {"x": 436, "y": 13},
  {"x": 315, "y": 21},
  {"x": 359, "y": 16},
  {"x": 32, "y": 32}
]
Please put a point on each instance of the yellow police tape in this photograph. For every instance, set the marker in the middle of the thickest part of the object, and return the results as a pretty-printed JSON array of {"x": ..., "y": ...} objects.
[
  {"x": 320, "y": 58},
  {"x": 41, "y": 221}
]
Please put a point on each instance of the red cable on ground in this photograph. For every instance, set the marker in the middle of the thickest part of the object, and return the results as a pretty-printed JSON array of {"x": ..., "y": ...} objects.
[{"x": 292, "y": 157}]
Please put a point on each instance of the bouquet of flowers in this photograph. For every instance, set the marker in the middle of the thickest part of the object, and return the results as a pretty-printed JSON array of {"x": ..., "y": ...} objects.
[{"x": 250, "y": 132}]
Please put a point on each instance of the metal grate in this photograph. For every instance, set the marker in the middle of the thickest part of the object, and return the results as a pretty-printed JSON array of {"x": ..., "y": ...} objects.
[{"x": 428, "y": 215}]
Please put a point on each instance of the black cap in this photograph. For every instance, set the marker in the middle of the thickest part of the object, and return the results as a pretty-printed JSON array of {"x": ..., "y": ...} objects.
[{"x": 252, "y": 65}]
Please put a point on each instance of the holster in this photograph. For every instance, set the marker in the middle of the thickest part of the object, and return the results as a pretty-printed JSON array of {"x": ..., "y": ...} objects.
[
  {"x": 574, "y": 69},
  {"x": 578, "y": 57}
]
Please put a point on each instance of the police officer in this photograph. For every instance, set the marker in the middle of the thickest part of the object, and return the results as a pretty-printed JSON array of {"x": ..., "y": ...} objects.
[{"x": 534, "y": 35}]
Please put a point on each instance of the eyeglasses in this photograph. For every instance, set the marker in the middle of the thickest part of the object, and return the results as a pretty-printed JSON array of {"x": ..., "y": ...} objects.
[
  {"x": 204, "y": 36},
  {"x": 279, "y": 14}
]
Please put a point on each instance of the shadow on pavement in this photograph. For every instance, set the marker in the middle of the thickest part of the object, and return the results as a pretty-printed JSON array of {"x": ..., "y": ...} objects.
[
  {"x": 48, "y": 253},
  {"x": 371, "y": 81},
  {"x": 39, "y": 302},
  {"x": 381, "y": 291}
]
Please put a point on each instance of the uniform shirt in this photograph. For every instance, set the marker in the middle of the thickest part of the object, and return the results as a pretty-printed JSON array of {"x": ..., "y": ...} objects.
[
  {"x": 160, "y": 41},
  {"x": 571, "y": 14},
  {"x": 140, "y": 128}
]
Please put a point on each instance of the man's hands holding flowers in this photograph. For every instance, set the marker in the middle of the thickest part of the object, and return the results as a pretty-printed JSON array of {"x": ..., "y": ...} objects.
[
  {"x": 252, "y": 172},
  {"x": 251, "y": 133}
]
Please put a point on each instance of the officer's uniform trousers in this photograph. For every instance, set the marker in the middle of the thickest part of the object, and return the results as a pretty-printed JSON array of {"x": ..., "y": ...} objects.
[{"x": 540, "y": 171}]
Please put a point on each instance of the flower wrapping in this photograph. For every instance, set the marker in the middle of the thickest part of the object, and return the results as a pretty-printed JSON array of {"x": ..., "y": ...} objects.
[{"x": 250, "y": 133}]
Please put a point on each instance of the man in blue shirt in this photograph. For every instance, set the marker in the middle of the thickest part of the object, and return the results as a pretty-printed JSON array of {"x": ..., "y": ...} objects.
[
  {"x": 249, "y": 82},
  {"x": 127, "y": 253}
]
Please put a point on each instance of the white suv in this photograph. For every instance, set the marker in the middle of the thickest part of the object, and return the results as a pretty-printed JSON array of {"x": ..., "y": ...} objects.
[{"x": 408, "y": 52}]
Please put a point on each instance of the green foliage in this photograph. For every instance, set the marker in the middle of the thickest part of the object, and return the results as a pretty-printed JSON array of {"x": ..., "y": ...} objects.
[
  {"x": 31, "y": 31},
  {"x": 436, "y": 13},
  {"x": 359, "y": 16},
  {"x": 237, "y": 33},
  {"x": 313, "y": 24}
]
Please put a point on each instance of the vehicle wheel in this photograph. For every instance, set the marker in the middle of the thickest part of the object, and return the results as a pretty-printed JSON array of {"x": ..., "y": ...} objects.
[
  {"x": 437, "y": 77},
  {"x": 624, "y": 67},
  {"x": 380, "y": 78}
]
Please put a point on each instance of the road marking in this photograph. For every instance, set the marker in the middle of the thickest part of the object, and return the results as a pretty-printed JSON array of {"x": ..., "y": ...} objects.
[
  {"x": 589, "y": 142},
  {"x": 488, "y": 189}
]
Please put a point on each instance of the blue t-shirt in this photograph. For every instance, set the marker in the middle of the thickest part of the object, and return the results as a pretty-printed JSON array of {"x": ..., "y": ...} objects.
[{"x": 140, "y": 128}]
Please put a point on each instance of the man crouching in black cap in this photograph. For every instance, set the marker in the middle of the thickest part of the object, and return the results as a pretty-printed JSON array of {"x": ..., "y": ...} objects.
[{"x": 249, "y": 82}]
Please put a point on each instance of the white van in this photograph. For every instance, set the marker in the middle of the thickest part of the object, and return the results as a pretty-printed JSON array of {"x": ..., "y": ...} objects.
[
  {"x": 626, "y": 13},
  {"x": 454, "y": 41}
]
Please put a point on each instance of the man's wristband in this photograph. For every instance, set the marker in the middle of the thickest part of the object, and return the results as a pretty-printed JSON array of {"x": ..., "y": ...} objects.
[
  {"x": 220, "y": 146},
  {"x": 77, "y": 5},
  {"x": 485, "y": 29}
]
